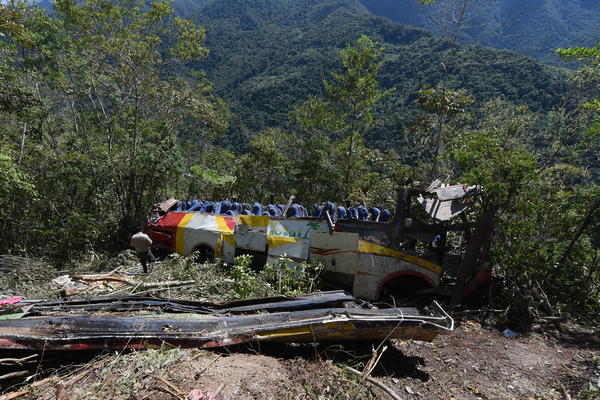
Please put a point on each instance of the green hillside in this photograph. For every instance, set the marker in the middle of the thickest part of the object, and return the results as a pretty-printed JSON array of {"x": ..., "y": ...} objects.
[
  {"x": 269, "y": 56},
  {"x": 532, "y": 27}
]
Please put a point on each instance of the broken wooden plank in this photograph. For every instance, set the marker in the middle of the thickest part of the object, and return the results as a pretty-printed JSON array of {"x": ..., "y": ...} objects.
[
  {"x": 23, "y": 392},
  {"x": 74, "y": 291}
]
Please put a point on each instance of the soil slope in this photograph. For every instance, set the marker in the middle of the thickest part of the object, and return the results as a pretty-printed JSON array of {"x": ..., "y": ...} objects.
[{"x": 471, "y": 363}]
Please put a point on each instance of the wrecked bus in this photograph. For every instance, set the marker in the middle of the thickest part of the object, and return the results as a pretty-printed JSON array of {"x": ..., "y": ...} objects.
[{"x": 368, "y": 258}]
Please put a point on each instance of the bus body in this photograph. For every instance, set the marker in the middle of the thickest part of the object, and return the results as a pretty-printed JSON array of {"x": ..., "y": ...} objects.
[{"x": 360, "y": 256}]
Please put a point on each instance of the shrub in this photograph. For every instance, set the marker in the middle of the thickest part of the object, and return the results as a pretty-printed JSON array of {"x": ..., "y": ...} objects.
[{"x": 282, "y": 277}]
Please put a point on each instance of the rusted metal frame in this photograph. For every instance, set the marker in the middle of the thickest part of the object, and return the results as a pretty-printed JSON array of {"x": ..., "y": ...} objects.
[
  {"x": 475, "y": 252},
  {"x": 391, "y": 234}
]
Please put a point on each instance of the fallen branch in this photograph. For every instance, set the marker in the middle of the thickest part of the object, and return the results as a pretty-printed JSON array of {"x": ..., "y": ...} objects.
[
  {"x": 18, "y": 361},
  {"x": 104, "y": 278},
  {"x": 377, "y": 354},
  {"x": 167, "y": 283},
  {"x": 13, "y": 375},
  {"x": 166, "y": 390},
  {"x": 589, "y": 218},
  {"x": 208, "y": 366},
  {"x": 171, "y": 386},
  {"x": 130, "y": 282},
  {"x": 375, "y": 382},
  {"x": 218, "y": 392},
  {"x": 14, "y": 395}
]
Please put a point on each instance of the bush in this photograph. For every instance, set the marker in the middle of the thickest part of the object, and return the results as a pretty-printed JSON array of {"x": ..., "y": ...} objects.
[
  {"x": 246, "y": 283},
  {"x": 282, "y": 278},
  {"x": 292, "y": 279}
]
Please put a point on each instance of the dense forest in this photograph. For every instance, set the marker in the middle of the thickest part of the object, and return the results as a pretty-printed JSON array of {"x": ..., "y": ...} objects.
[
  {"x": 108, "y": 106},
  {"x": 532, "y": 27},
  {"x": 268, "y": 57}
]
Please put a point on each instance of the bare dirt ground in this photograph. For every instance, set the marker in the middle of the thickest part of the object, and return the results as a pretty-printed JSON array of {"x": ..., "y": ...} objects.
[
  {"x": 470, "y": 363},
  {"x": 473, "y": 363}
]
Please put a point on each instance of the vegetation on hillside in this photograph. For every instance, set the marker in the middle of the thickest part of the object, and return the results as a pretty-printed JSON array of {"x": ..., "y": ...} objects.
[
  {"x": 104, "y": 111},
  {"x": 92, "y": 109},
  {"x": 268, "y": 57},
  {"x": 532, "y": 27}
]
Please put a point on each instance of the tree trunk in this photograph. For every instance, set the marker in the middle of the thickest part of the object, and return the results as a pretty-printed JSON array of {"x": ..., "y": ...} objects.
[
  {"x": 438, "y": 144},
  {"x": 587, "y": 220},
  {"x": 22, "y": 147},
  {"x": 347, "y": 183}
]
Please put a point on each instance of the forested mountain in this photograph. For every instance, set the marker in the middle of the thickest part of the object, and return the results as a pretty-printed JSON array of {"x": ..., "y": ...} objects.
[
  {"x": 266, "y": 57},
  {"x": 532, "y": 27}
]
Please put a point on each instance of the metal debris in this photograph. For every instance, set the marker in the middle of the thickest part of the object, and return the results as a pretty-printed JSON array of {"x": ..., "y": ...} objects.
[{"x": 141, "y": 322}]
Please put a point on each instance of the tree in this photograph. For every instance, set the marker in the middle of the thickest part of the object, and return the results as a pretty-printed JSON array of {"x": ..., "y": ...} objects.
[
  {"x": 490, "y": 155},
  {"x": 453, "y": 17},
  {"x": 536, "y": 208},
  {"x": 15, "y": 189},
  {"x": 590, "y": 72},
  {"x": 213, "y": 176},
  {"x": 122, "y": 60},
  {"x": 111, "y": 101},
  {"x": 445, "y": 103},
  {"x": 316, "y": 175},
  {"x": 353, "y": 95},
  {"x": 265, "y": 169},
  {"x": 340, "y": 121}
]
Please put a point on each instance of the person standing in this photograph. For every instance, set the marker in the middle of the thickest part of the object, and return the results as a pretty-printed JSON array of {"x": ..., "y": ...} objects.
[{"x": 141, "y": 243}]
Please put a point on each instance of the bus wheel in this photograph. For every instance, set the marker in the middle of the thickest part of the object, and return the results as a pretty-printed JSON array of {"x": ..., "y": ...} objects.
[
  {"x": 204, "y": 254},
  {"x": 406, "y": 289}
]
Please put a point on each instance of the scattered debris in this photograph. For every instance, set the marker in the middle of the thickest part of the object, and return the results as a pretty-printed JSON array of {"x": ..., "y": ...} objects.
[
  {"x": 375, "y": 382},
  {"x": 23, "y": 392},
  {"x": 529, "y": 366},
  {"x": 79, "y": 284},
  {"x": 142, "y": 322},
  {"x": 25, "y": 277},
  {"x": 510, "y": 333}
]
